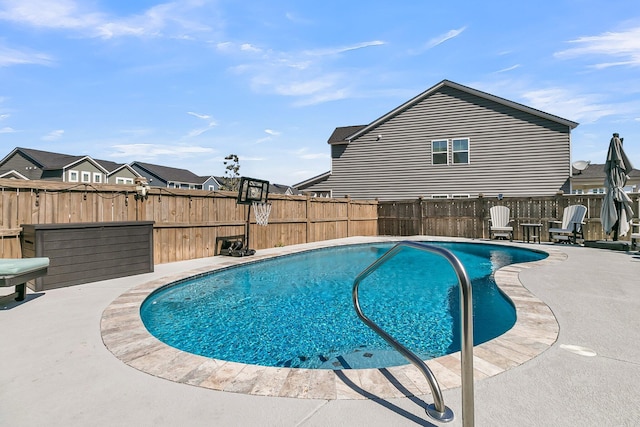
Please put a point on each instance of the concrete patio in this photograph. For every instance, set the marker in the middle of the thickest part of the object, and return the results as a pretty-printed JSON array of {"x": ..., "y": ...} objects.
[{"x": 56, "y": 371}]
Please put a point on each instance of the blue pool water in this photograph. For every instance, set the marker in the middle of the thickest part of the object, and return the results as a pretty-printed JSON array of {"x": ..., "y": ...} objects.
[{"x": 296, "y": 310}]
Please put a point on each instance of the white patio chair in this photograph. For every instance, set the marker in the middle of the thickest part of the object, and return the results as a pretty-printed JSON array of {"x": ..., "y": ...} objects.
[
  {"x": 498, "y": 224},
  {"x": 571, "y": 225}
]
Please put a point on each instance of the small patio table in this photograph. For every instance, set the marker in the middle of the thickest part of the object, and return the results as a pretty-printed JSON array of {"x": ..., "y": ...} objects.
[{"x": 531, "y": 231}]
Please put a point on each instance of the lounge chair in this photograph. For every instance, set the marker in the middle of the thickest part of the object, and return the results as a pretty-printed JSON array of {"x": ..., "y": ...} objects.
[
  {"x": 635, "y": 235},
  {"x": 498, "y": 224},
  {"x": 571, "y": 225},
  {"x": 17, "y": 272}
]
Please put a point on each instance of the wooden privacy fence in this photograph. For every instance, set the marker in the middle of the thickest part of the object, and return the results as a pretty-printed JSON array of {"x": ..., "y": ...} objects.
[
  {"x": 187, "y": 223},
  {"x": 470, "y": 217}
]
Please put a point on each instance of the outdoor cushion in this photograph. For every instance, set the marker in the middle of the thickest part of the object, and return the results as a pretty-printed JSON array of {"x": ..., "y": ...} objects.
[{"x": 13, "y": 266}]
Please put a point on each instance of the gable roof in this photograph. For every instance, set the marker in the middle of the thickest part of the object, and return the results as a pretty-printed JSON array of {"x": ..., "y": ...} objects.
[
  {"x": 118, "y": 167},
  {"x": 169, "y": 174},
  {"x": 341, "y": 133},
  {"x": 596, "y": 171},
  {"x": 48, "y": 160},
  {"x": 7, "y": 174},
  {"x": 110, "y": 166},
  {"x": 361, "y": 130},
  {"x": 311, "y": 181}
]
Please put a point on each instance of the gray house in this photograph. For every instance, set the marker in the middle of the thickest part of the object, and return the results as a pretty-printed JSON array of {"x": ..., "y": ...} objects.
[
  {"x": 26, "y": 163},
  {"x": 164, "y": 176},
  {"x": 590, "y": 180},
  {"x": 211, "y": 183},
  {"x": 45, "y": 165},
  {"x": 449, "y": 141},
  {"x": 119, "y": 173}
]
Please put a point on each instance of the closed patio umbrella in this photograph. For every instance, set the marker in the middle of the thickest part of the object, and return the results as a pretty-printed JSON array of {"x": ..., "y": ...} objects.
[{"x": 616, "y": 206}]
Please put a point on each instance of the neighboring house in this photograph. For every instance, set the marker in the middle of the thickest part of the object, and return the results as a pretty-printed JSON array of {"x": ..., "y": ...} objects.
[
  {"x": 123, "y": 174},
  {"x": 37, "y": 164},
  {"x": 310, "y": 186},
  {"x": 26, "y": 163},
  {"x": 225, "y": 182},
  {"x": 449, "y": 141},
  {"x": 283, "y": 189},
  {"x": 164, "y": 176},
  {"x": 211, "y": 183},
  {"x": 11, "y": 174},
  {"x": 590, "y": 180},
  {"x": 119, "y": 173}
]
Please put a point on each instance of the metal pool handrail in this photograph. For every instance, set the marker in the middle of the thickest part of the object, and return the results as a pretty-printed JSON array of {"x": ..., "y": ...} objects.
[{"x": 438, "y": 409}]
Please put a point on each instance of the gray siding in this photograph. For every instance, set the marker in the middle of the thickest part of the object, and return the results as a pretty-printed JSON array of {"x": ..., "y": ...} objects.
[
  {"x": 85, "y": 166},
  {"x": 122, "y": 173},
  {"x": 22, "y": 165},
  {"x": 512, "y": 152}
]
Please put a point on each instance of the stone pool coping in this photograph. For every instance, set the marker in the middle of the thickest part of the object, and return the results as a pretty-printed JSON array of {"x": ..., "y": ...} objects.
[{"x": 124, "y": 334}]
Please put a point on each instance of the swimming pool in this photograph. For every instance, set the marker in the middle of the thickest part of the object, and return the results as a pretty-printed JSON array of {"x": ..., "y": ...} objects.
[{"x": 295, "y": 311}]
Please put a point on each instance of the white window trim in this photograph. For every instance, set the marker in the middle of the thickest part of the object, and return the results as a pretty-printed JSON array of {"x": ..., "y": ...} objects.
[
  {"x": 123, "y": 180},
  {"x": 85, "y": 176},
  {"x": 71, "y": 176},
  {"x": 460, "y": 196},
  {"x": 468, "y": 151},
  {"x": 440, "y": 152},
  {"x": 97, "y": 177},
  {"x": 439, "y": 196}
]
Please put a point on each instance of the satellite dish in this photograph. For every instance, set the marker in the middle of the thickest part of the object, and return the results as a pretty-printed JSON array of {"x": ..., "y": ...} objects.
[{"x": 581, "y": 164}]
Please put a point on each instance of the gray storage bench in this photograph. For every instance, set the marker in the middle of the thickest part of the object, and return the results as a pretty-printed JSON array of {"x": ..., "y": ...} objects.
[
  {"x": 17, "y": 272},
  {"x": 87, "y": 252}
]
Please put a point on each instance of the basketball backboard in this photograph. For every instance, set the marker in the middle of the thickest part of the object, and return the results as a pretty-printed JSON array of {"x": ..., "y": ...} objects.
[{"x": 252, "y": 190}]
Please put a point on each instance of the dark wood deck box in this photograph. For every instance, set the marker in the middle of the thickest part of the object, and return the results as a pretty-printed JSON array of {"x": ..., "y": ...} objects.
[{"x": 88, "y": 252}]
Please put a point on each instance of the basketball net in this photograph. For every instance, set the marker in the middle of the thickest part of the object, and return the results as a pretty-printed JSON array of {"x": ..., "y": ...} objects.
[{"x": 262, "y": 211}]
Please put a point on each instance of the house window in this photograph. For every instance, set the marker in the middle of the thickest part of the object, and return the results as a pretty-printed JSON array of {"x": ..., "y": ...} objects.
[
  {"x": 86, "y": 176},
  {"x": 97, "y": 178},
  {"x": 73, "y": 176},
  {"x": 459, "y": 196},
  {"x": 440, "y": 152},
  {"x": 120, "y": 180},
  {"x": 439, "y": 196},
  {"x": 460, "y": 150}
]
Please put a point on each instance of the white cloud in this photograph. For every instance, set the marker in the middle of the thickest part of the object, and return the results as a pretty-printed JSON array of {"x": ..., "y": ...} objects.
[
  {"x": 170, "y": 19},
  {"x": 200, "y": 116},
  {"x": 248, "y": 47},
  {"x": 513, "y": 67},
  {"x": 4, "y": 116},
  {"x": 152, "y": 151},
  {"x": 308, "y": 87},
  {"x": 622, "y": 44},
  {"x": 53, "y": 135},
  {"x": 199, "y": 131},
  {"x": 271, "y": 133},
  {"x": 302, "y": 75},
  {"x": 7, "y": 130},
  {"x": 343, "y": 49},
  {"x": 438, "y": 40},
  {"x": 304, "y": 154},
  {"x": 574, "y": 106},
  {"x": 9, "y": 57}
]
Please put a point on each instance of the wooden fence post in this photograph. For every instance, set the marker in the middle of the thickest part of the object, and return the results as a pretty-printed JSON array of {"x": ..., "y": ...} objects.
[{"x": 308, "y": 216}]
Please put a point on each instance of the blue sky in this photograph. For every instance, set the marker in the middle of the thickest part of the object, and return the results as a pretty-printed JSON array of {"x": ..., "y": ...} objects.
[{"x": 186, "y": 83}]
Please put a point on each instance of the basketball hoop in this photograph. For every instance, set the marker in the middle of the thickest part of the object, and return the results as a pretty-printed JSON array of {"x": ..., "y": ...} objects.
[{"x": 262, "y": 211}]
